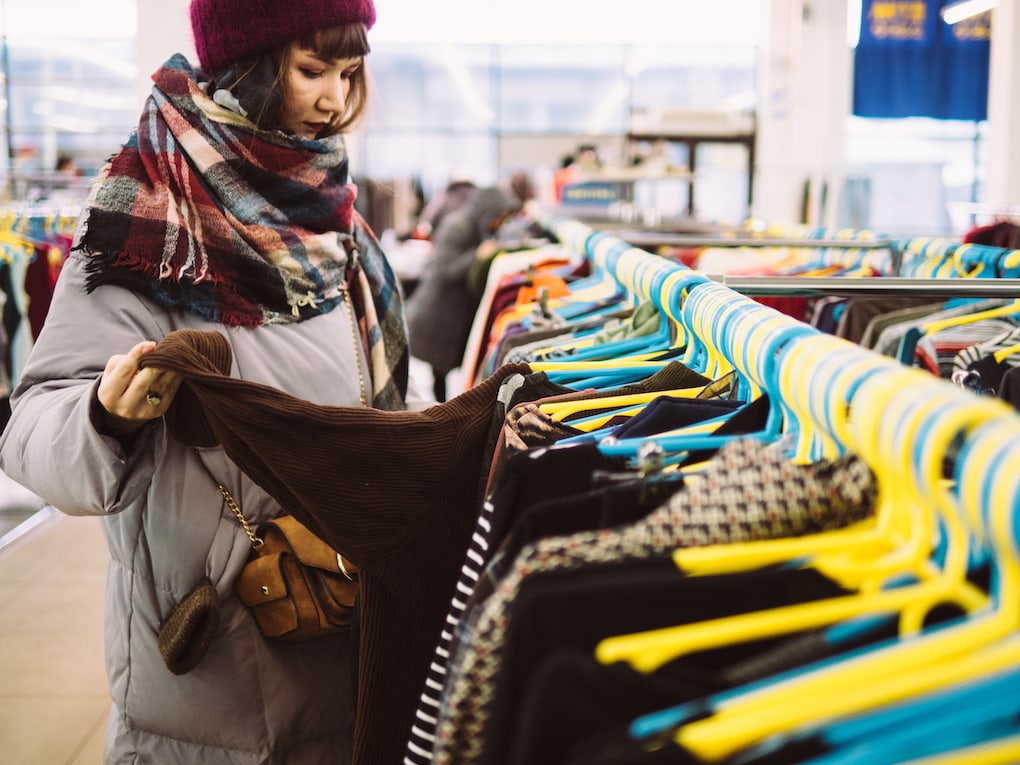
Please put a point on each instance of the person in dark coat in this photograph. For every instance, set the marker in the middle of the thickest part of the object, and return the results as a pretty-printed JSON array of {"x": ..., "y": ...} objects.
[
  {"x": 442, "y": 308},
  {"x": 455, "y": 195}
]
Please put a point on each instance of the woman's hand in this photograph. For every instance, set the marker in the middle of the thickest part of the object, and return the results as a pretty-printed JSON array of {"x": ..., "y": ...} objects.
[
  {"x": 487, "y": 250},
  {"x": 131, "y": 396}
]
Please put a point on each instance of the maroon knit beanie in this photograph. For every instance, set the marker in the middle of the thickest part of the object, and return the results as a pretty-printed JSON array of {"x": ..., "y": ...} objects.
[{"x": 228, "y": 30}]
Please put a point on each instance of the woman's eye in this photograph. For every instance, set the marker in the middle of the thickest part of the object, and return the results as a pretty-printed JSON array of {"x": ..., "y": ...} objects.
[{"x": 310, "y": 73}]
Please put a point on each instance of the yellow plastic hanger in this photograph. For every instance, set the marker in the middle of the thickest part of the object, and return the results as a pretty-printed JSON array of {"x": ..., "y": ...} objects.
[
  {"x": 559, "y": 410},
  {"x": 562, "y": 409},
  {"x": 706, "y": 311},
  {"x": 984, "y": 643},
  {"x": 1011, "y": 260},
  {"x": 14, "y": 243},
  {"x": 960, "y": 267},
  {"x": 748, "y": 337},
  {"x": 821, "y": 411},
  {"x": 596, "y": 365},
  {"x": 671, "y": 301},
  {"x": 649, "y": 280},
  {"x": 1004, "y": 353},
  {"x": 970, "y": 318},
  {"x": 1005, "y": 751},
  {"x": 647, "y": 651}
]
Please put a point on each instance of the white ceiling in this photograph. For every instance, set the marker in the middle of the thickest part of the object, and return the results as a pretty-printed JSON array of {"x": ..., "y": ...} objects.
[
  {"x": 713, "y": 22},
  {"x": 70, "y": 18}
]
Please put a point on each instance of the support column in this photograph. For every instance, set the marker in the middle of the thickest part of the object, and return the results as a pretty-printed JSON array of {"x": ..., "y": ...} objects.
[
  {"x": 164, "y": 28},
  {"x": 1002, "y": 187},
  {"x": 804, "y": 100}
]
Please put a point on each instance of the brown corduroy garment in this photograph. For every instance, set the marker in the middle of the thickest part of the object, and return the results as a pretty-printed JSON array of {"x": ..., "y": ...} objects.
[{"x": 396, "y": 492}]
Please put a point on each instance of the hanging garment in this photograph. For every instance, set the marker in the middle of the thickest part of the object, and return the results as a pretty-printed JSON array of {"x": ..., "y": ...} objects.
[
  {"x": 876, "y": 324},
  {"x": 750, "y": 491},
  {"x": 558, "y": 477},
  {"x": 1009, "y": 388},
  {"x": 858, "y": 312},
  {"x": 559, "y": 617},
  {"x": 537, "y": 387},
  {"x": 937, "y": 352},
  {"x": 395, "y": 492},
  {"x": 890, "y": 339}
]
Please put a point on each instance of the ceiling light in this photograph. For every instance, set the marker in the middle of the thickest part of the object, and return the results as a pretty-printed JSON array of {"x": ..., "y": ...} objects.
[{"x": 955, "y": 12}]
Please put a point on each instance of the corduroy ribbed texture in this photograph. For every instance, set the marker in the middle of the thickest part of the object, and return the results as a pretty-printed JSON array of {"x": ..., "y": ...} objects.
[
  {"x": 226, "y": 31},
  {"x": 396, "y": 492}
]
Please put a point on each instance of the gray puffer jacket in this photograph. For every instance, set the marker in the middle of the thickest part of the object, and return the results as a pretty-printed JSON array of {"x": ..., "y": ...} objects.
[{"x": 248, "y": 701}]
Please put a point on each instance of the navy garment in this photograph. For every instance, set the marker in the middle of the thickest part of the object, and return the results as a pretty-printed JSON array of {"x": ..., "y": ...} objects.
[{"x": 667, "y": 413}]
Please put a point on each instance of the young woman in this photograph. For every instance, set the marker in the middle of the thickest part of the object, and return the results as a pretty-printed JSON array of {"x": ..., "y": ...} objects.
[{"x": 229, "y": 208}]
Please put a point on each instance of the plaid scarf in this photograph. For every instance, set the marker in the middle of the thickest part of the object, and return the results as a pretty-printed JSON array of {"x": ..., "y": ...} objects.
[{"x": 203, "y": 211}]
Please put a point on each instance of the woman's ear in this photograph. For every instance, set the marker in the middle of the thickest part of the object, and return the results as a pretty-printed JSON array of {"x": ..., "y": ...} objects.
[{"x": 254, "y": 84}]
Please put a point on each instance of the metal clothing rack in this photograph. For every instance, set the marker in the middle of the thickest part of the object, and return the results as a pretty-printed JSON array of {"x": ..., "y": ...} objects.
[
  {"x": 837, "y": 286},
  {"x": 665, "y": 239},
  {"x": 914, "y": 429},
  {"x": 907, "y": 256},
  {"x": 651, "y": 240},
  {"x": 640, "y": 243}
]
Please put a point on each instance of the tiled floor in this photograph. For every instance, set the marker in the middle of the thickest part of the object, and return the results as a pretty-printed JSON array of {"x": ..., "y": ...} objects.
[
  {"x": 53, "y": 691},
  {"x": 17, "y": 504}
]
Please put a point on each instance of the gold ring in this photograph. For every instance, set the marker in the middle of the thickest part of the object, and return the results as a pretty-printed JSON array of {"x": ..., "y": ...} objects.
[{"x": 154, "y": 399}]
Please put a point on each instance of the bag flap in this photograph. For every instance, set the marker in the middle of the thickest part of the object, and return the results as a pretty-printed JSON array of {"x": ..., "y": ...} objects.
[
  {"x": 261, "y": 580},
  {"x": 309, "y": 549}
]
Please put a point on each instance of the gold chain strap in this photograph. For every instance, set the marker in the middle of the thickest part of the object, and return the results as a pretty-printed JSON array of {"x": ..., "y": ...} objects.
[
  {"x": 256, "y": 540},
  {"x": 357, "y": 346}
]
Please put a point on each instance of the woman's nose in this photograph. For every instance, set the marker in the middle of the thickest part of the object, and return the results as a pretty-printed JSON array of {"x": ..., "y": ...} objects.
[{"x": 333, "y": 96}]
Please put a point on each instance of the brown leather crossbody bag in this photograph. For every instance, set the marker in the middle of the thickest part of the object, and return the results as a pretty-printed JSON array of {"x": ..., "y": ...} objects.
[{"x": 296, "y": 586}]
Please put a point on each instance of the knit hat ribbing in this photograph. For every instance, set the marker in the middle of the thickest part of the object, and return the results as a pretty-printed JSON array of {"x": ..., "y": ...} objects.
[{"x": 228, "y": 30}]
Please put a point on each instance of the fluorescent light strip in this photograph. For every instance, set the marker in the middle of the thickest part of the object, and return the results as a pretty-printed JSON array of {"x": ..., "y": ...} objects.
[{"x": 956, "y": 12}]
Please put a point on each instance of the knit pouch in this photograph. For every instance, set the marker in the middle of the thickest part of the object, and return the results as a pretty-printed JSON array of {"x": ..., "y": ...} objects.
[{"x": 185, "y": 635}]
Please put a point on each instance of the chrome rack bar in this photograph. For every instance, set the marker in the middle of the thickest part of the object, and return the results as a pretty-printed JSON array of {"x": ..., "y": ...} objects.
[
  {"x": 659, "y": 239},
  {"x": 837, "y": 286}
]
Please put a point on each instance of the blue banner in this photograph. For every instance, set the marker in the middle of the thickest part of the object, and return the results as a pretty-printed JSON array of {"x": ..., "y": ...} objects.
[{"x": 910, "y": 63}]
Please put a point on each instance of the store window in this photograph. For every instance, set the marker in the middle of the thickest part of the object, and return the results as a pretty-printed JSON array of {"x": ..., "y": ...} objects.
[
  {"x": 69, "y": 70},
  {"x": 449, "y": 111},
  {"x": 484, "y": 100},
  {"x": 913, "y": 177}
]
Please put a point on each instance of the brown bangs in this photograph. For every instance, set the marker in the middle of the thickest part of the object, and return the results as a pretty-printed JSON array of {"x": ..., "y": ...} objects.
[{"x": 344, "y": 41}]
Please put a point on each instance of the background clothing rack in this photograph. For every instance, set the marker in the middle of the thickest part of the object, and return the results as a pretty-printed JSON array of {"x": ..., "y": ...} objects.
[
  {"x": 665, "y": 239},
  {"x": 906, "y": 255},
  {"x": 818, "y": 240},
  {"x": 838, "y": 286},
  {"x": 915, "y": 431}
]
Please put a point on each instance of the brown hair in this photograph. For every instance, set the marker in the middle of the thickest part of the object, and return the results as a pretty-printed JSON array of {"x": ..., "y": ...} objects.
[
  {"x": 344, "y": 41},
  {"x": 259, "y": 83}
]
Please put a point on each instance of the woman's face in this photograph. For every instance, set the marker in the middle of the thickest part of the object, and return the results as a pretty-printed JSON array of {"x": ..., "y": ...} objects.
[{"x": 314, "y": 90}]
